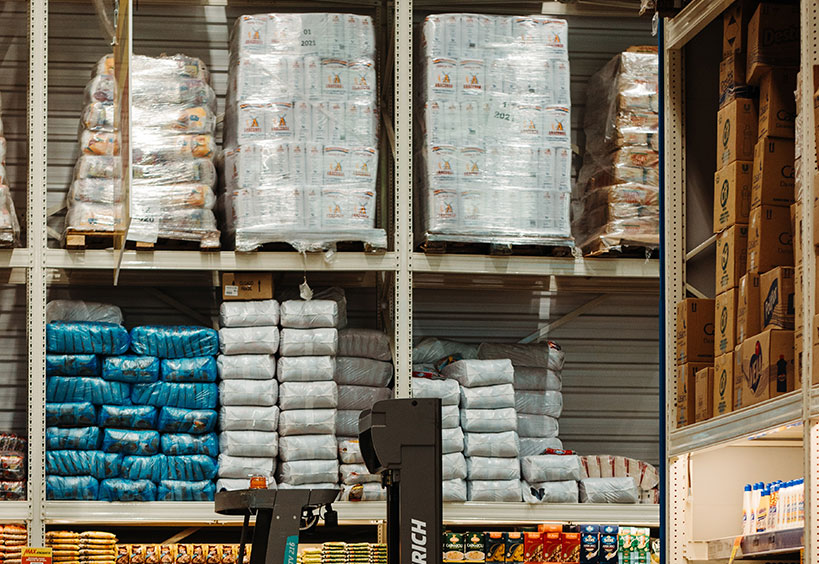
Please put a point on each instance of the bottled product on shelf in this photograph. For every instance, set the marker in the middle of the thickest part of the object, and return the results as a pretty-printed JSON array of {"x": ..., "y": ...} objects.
[
  {"x": 13, "y": 467},
  {"x": 172, "y": 152},
  {"x": 773, "y": 506},
  {"x": 9, "y": 225},
  {"x": 495, "y": 130},
  {"x": 617, "y": 192},
  {"x": 301, "y": 131}
]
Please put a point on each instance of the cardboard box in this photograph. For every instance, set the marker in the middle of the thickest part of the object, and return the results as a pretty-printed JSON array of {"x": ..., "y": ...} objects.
[
  {"x": 533, "y": 547},
  {"x": 475, "y": 547},
  {"x": 695, "y": 330},
  {"x": 767, "y": 367},
  {"x": 731, "y": 77},
  {"x": 514, "y": 547},
  {"x": 609, "y": 544},
  {"x": 770, "y": 243},
  {"x": 748, "y": 307},
  {"x": 777, "y": 294},
  {"x": 773, "y": 180},
  {"x": 495, "y": 546},
  {"x": 732, "y": 194},
  {"x": 725, "y": 316},
  {"x": 737, "y": 371},
  {"x": 773, "y": 39},
  {"x": 570, "y": 547},
  {"x": 735, "y": 28},
  {"x": 736, "y": 132},
  {"x": 686, "y": 391},
  {"x": 732, "y": 255},
  {"x": 453, "y": 547},
  {"x": 723, "y": 396},
  {"x": 777, "y": 103},
  {"x": 552, "y": 546},
  {"x": 704, "y": 394},
  {"x": 589, "y": 544},
  {"x": 247, "y": 286}
]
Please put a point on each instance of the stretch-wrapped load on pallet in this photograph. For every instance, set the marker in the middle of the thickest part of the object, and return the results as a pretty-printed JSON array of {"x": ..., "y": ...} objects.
[
  {"x": 9, "y": 225},
  {"x": 495, "y": 140},
  {"x": 173, "y": 120},
  {"x": 13, "y": 452},
  {"x": 301, "y": 131}
]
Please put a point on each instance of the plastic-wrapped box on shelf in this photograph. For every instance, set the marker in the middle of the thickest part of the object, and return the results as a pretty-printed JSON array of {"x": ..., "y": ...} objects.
[
  {"x": 80, "y": 438},
  {"x": 181, "y": 420},
  {"x": 608, "y": 490},
  {"x": 453, "y": 490},
  {"x": 119, "y": 489},
  {"x": 248, "y": 418},
  {"x": 494, "y": 490},
  {"x": 308, "y": 395},
  {"x": 71, "y": 389},
  {"x": 477, "y": 373},
  {"x": 307, "y": 447},
  {"x": 72, "y": 365},
  {"x": 308, "y": 422},
  {"x": 491, "y": 468},
  {"x": 550, "y": 468},
  {"x": 189, "y": 396},
  {"x": 249, "y": 443},
  {"x": 309, "y": 342},
  {"x": 196, "y": 369},
  {"x": 306, "y": 368},
  {"x": 86, "y": 337},
  {"x": 182, "y": 490},
  {"x": 71, "y": 414},
  {"x": 356, "y": 371},
  {"x": 530, "y": 446},
  {"x": 142, "y": 443},
  {"x": 312, "y": 314},
  {"x": 301, "y": 131},
  {"x": 495, "y": 130},
  {"x": 178, "y": 341},
  {"x": 550, "y": 492},
  {"x": 245, "y": 466},
  {"x": 246, "y": 366},
  {"x": 257, "y": 313},
  {"x": 183, "y": 444},
  {"x": 131, "y": 368},
  {"x": 83, "y": 463},
  {"x": 364, "y": 343},
  {"x": 452, "y": 440},
  {"x": 263, "y": 393},
  {"x": 9, "y": 226},
  {"x": 504, "y": 444},
  {"x": 249, "y": 340},
  {"x": 299, "y": 472},
  {"x": 80, "y": 310},
  {"x": 72, "y": 488}
]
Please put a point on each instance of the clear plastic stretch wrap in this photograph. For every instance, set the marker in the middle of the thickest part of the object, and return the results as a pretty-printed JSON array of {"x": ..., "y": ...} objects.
[
  {"x": 259, "y": 313},
  {"x": 363, "y": 492},
  {"x": 80, "y": 389},
  {"x": 298, "y": 472},
  {"x": 537, "y": 426},
  {"x": 101, "y": 465},
  {"x": 349, "y": 451},
  {"x": 352, "y": 474},
  {"x": 476, "y": 373},
  {"x": 306, "y": 368},
  {"x": 127, "y": 441},
  {"x": 452, "y": 440},
  {"x": 347, "y": 422},
  {"x": 308, "y": 422},
  {"x": 539, "y": 403},
  {"x": 79, "y": 310},
  {"x": 139, "y": 417},
  {"x": 530, "y": 446},
  {"x": 308, "y": 447},
  {"x": 494, "y": 490},
  {"x": 309, "y": 342},
  {"x": 249, "y": 340},
  {"x": 180, "y": 341},
  {"x": 193, "y": 467},
  {"x": 537, "y": 379},
  {"x": 183, "y": 490},
  {"x": 453, "y": 490},
  {"x": 130, "y": 368},
  {"x": 488, "y": 397},
  {"x": 453, "y": 466},
  {"x": 308, "y": 395},
  {"x": 249, "y": 443},
  {"x": 448, "y": 391},
  {"x": 12, "y": 490},
  {"x": 301, "y": 131},
  {"x": 505, "y": 444},
  {"x": 357, "y": 371},
  {"x": 542, "y": 355},
  {"x": 191, "y": 421},
  {"x": 248, "y": 418},
  {"x": 246, "y": 366},
  {"x": 550, "y": 492},
  {"x": 495, "y": 129},
  {"x": 312, "y": 314},
  {"x": 432, "y": 349},
  {"x": 245, "y": 466},
  {"x": 82, "y": 488},
  {"x": 13, "y": 466},
  {"x": 9, "y": 226},
  {"x": 118, "y": 489},
  {"x": 607, "y": 466},
  {"x": 608, "y": 490},
  {"x": 450, "y": 416},
  {"x": 487, "y": 468},
  {"x": 184, "y": 443},
  {"x": 173, "y": 122},
  {"x": 72, "y": 414},
  {"x": 189, "y": 396},
  {"x": 489, "y": 420},
  {"x": 550, "y": 468},
  {"x": 361, "y": 397},
  {"x": 196, "y": 369},
  {"x": 364, "y": 343},
  {"x": 617, "y": 192},
  {"x": 72, "y": 365},
  {"x": 86, "y": 337},
  {"x": 263, "y": 393}
]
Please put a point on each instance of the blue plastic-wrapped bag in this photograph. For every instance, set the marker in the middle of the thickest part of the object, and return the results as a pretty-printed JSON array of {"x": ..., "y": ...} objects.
[
  {"x": 119, "y": 489},
  {"x": 143, "y": 443},
  {"x": 131, "y": 368},
  {"x": 191, "y": 467},
  {"x": 72, "y": 414},
  {"x": 72, "y": 365},
  {"x": 139, "y": 417},
  {"x": 81, "y": 388},
  {"x": 190, "y": 396},
  {"x": 84, "y": 488},
  {"x": 142, "y": 467},
  {"x": 79, "y": 438},
  {"x": 86, "y": 337},
  {"x": 198, "y": 369},
  {"x": 183, "y": 443},
  {"x": 94, "y": 463},
  {"x": 179, "y": 341},
  {"x": 191, "y": 421},
  {"x": 176, "y": 490}
]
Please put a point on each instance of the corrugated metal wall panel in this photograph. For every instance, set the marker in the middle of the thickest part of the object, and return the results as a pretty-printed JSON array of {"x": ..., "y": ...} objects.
[{"x": 13, "y": 359}]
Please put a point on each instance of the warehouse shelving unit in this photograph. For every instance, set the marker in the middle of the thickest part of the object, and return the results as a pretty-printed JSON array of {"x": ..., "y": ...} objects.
[{"x": 706, "y": 462}]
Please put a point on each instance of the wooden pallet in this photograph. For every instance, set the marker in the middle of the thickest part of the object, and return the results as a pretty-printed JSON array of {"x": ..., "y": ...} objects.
[
  {"x": 493, "y": 249},
  {"x": 84, "y": 240}
]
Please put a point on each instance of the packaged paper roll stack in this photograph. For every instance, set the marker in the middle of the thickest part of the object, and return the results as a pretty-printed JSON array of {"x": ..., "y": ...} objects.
[
  {"x": 249, "y": 416},
  {"x": 9, "y": 225}
]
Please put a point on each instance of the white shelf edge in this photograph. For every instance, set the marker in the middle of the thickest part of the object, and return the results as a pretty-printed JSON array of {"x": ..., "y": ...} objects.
[
  {"x": 737, "y": 424},
  {"x": 15, "y": 258},
  {"x": 814, "y": 401},
  {"x": 14, "y": 511},
  {"x": 201, "y": 513},
  {"x": 680, "y": 29}
]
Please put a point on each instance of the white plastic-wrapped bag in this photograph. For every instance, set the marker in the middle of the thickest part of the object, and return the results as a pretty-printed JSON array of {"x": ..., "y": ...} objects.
[
  {"x": 248, "y": 418},
  {"x": 449, "y": 391},
  {"x": 78, "y": 310},
  {"x": 365, "y": 343},
  {"x": 245, "y": 466},
  {"x": 494, "y": 490},
  {"x": 475, "y": 373},
  {"x": 453, "y": 490},
  {"x": 488, "y": 397},
  {"x": 347, "y": 422},
  {"x": 309, "y": 342},
  {"x": 501, "y": 445},
  {"x": 249, "y": 340},
  {"x": 361, "y": 397},
  {"x": 308, "y": 395},
  {"x": 550, "y": 492},
  {"x": 248, "y": 392},
  {"x": 487, "y": 468},
  {"x": 307, "y": 422},
  {"x": 363, "y": 492},
  {"x": 453, "y": 466},
  {"x": 530, "y": 446},
  {"x": 312, "y": 314},
  {"x": 489, "y": 420},
  {"x": 249, "y": 443},
  {"x": 539, "y": 403},
  {"x": 538, "y": 426},
  {"x": 432, "y": 349},
  {"x": 257, "y": 313},
  {"x": 452, "y": 440},
  {"x": 357, "y": 371},
  {"x": 608, "y": 490},
  {"x": 357, "y": 474},
  {"x": 450, "y": 416},
  {"x": 306, "y": 368},
  {"x": 233, "y": 484},
  {"x": 308, "y": 447},
  {"x": 297, "y": 472},
  {"x": 550, "y": 468},
  {"x": 349, "y": 451},
  {"x": 246, "y": 366},
  {"x": 536, "y": 378},
  {"x": 545, "y": 355}
]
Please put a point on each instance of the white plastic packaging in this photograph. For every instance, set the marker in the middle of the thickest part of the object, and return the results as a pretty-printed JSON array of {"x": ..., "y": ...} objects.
[
  {"x": 475, "y": 373},
  {"x": 489, "y": 420},
  {"x": 357, "y": 474},
  {"x": 306, "y": 368},
  {"x": 309, "y": 342},
  {"x": 432, "y": 349},
  {"x": 246, "y": 366},
  {"x": 249, "y": 340},
  {"x": 450, "y": 416},
  {"x": 501, "y": 445},
  {"x": 248, "y": 418},
  {"x": 363, "y": 492},
  {"x": 486, "y": 468},
  {"x": 453, "y": 466},
  {"x": 296, "y": 472},
  {"x": 364, "y": 343},
  {"x": 248, "y": 392},
  {"x": 358, "y": 371},
  {"x": 233, "y": 484},
  {"x": 488, "y": 397},
  {"x": 608, "y": 466},
  {"x": 494, "y": 490},
  {"x": 608, "y": 490},
  {"x": 308, "y": 447},
  {"x": 78, "y": 310},
  {"x": 309, "y": 486},
  {"x": 449, "y": 391},
  {"x": 550, "y": 492},
  {"x": 308, "y": 395},
  {"x": 539, "y": 403},
  {"x": 361, "y": 397},
  {"x": 537, "y": 426},
  {"x": 307, "y": 422},
  {"x": 544, "y": 355},
  {"x": 312, "y": 314},
  {"x": 535, "y": 378},
  {"x": 531, "y": 446},
  {"x": 259, "y": 313},
  {"x": 550, "y": 468},
  {"x": 245, "y": 467},
  {"x": 453, "y": 490},
  {"x": 452, "y": 440},
  {"x": 260, "y": 444},
  {"x": 347, "y": 422},
  {"x": 349, "y": 451}
]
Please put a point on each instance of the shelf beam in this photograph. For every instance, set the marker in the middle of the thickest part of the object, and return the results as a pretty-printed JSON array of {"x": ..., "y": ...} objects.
[
  {"x": 535, "y": 266},
  {"x": 683, "y": 27}
]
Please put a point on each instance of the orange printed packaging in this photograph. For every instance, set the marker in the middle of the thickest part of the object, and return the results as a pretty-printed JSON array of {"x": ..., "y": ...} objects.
[
  {"x": 570, "y": 547},
  {"x": 552, "y": 547},
  {"x": 533, "y": 548}
]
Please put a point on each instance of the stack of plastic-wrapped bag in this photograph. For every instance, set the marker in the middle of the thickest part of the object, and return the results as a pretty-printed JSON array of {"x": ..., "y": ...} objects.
[
  {"x": 618, "y": 479},
  {"x": 249, "y": 416},
  {"x": 9, "y": 226},
  {"x": 172, "y": 151},
  {"x": 13, "y": 451},
  {"x": 363, "y": 372}
]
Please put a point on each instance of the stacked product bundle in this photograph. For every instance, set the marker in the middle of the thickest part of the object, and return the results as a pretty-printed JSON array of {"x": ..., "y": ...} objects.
[
  {"x": 489, "y": 424},
  {"x": 301, "y": 155},
  {"x": 617, "y": 193},
  {"x": 363, "y": 370},
  {"x": 495, "y": 138},
  {"x": 308, "y": 396},
  {"x": 12, "y": 540},
  {"x": 249, "y": 417},
  {"x": 172, "y": 150},
  {"x": 13, "y": 467},
  {"x": 64, "y": 545},
  {"x": 9, "y": 226},
  {"x": 612, "y": 479}
]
